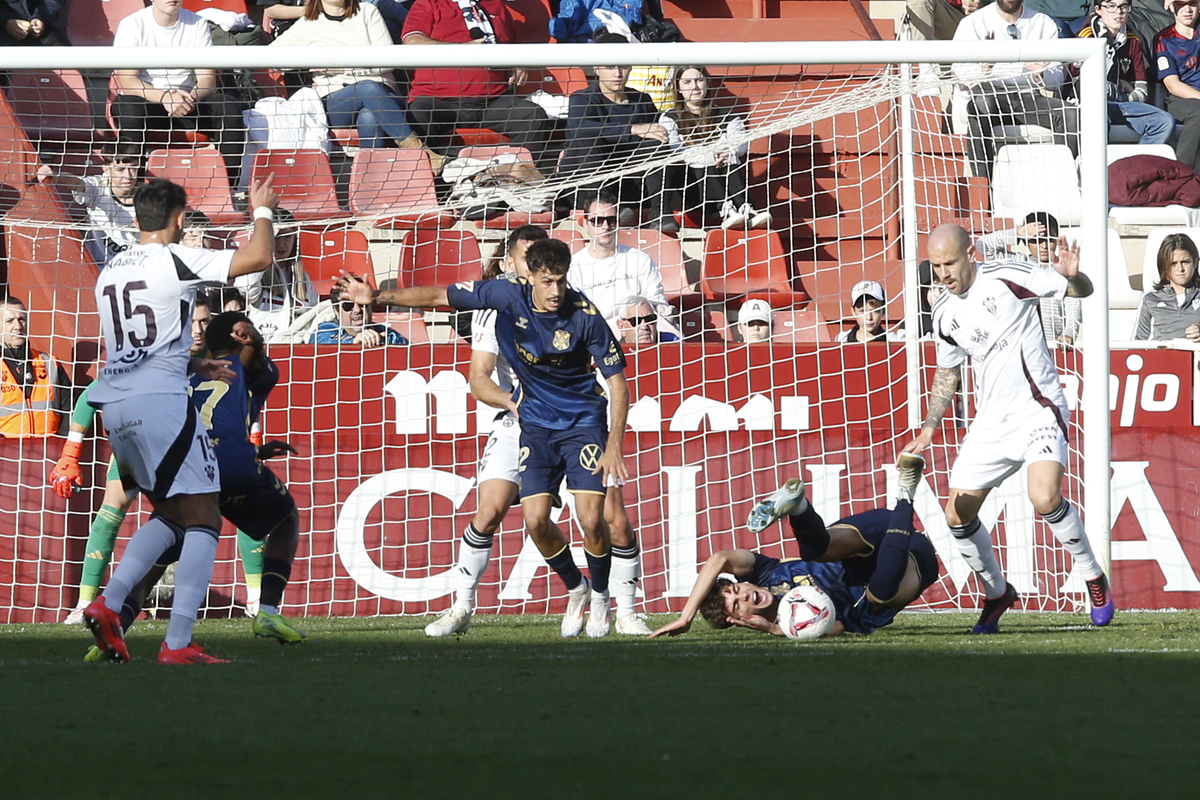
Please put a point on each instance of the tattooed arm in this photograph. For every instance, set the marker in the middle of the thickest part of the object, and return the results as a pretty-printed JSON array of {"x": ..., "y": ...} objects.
[{"x": 941, "y": 397}]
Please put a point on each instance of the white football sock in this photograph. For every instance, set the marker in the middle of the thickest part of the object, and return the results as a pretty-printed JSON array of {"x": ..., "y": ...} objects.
[
  {"x": 192, "y": 576},
  {"x": 975, "y": 544},
  {"x": 1067, "y": 526},
  {"x": 148, "y": 543},
  {"x": 474, "y": 553},
  {"x": 622, "y": 581}
]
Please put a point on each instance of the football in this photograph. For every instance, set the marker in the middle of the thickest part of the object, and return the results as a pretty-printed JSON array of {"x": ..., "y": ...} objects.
[{"x": 806, "y": 612}]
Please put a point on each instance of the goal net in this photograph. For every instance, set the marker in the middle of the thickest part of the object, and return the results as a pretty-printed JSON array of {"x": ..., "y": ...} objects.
[{"x": 795, "y": 194}]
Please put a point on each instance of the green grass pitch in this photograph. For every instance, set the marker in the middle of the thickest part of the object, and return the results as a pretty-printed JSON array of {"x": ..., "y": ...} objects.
[{"x": 371, "y": 708}]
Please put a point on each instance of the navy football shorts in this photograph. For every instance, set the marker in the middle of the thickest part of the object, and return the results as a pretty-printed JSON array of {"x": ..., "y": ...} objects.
[
  {"x": 547, "y": 455},
  {"x": 256, "y": 502}
]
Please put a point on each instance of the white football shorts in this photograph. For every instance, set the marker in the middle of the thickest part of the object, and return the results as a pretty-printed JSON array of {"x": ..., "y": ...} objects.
[
  {"x": 989, "y": 454},
  {"x": 502, "y": 453},
  {"x": 158, "y": 441}
]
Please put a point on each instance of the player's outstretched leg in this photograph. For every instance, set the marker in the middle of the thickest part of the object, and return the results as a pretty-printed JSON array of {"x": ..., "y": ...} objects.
[
  {"x": 278, "y": 554},
  {"x": 474, "y": 553},
  {"x": 1067, "y": 526},
  {"x": 786, "y": 500},
  {"x": 909, "y": 467}
]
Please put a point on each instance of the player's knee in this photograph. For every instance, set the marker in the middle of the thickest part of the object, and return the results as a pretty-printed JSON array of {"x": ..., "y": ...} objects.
[
  {"x": 1046, "y": 500},
  {"x": 488, "y": 518}
]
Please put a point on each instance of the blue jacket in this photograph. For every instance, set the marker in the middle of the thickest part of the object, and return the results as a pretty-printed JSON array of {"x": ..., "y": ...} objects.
[
  {"x": 575, "y": 21},
  {"x": 331, "y": 333}
]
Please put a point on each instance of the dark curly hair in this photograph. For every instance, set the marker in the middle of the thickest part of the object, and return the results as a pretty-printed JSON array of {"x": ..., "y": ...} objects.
[{"x": 712, "y": 607}]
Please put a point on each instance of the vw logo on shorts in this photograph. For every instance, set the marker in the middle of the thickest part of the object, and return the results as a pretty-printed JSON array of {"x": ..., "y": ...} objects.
[{"x": 590, "y": 455}]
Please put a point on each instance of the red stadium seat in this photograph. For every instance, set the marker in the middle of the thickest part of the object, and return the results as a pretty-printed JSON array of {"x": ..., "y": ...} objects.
[
  {"x": 409, "y": 325},
  {"x": 572, "y": 236},
  {"x": 236, "y": 6},
  {"x": 52, "y": 105},
  {"x": 512, "y": 219},
  {"x": 325, "y": 253},
  {"x": 438, "y": 258},
  {"x": 799, "y": 325},
  {"x": 201, "y": 172},
  {"x": 703, "y": 324},
  {"x": 94, "y": 22},
  {"x": 667, "y": 254},
  {"x": 478, "y": 137},
  {"x": 738, "y": 263},
  {"x": 395, "y": 187},
  {"x": 303, "y": 181}
]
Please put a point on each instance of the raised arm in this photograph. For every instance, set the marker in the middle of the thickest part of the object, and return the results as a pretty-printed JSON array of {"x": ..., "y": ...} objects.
[
  {"x": 357, "y": 290},
  {"x": 941, "y": 396},
  {"x": 259, "y": 252},
  {"x": 738, "y": 562},
  {"x": 1067, "y": 264}
]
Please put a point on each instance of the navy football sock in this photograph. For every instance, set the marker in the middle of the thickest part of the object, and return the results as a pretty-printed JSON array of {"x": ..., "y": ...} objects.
[
  {"x": 892, "y": 560},
  {"x": 562, "y": 563},
  {"x": 276, "y": 573},
  {"x": 809, "y": 530},
  {"x": 599, "y": 567}
]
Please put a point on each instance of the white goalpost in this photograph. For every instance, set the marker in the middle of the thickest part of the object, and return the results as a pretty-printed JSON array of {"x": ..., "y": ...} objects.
[{"x": 842, "y": 143}]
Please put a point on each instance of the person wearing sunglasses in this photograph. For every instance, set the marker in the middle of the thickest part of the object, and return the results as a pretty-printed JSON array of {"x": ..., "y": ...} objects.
[
  {"x": 608, "y": 272},
  {"x": 638, "y": 324},
  {"x": 1127, "y": 81},
  {"x": 1177, "y": 56},
  {"x": 353, "y": 325},
  {"x": 1013, "y": 93}
]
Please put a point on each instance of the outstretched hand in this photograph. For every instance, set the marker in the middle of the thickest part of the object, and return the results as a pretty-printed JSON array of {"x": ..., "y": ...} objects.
[
  {"x": 213, "y": 370},
  {"x": 673, "y": 628},
  {"x": 355, "y": 289},
  {"x": 922, "y": 440},
  {"x": 1068, "y": 258},
  {"x": 275, "y": 448}
]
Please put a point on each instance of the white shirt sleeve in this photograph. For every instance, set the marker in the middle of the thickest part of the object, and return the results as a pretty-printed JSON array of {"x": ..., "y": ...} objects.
[
  {"x": 206, "y": 265},
  {"x": 650, "y": 282},
  {"x": 949, "y": 355},
  {"x": 90, "y": 196},
  {"x": 735, "y": 129},
  {"x": 1038, "y": 280},
  {"x": 483, "y": 332}
]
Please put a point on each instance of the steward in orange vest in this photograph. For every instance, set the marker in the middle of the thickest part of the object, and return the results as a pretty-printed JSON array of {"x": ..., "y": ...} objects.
[{"x": 33, "y": 390}]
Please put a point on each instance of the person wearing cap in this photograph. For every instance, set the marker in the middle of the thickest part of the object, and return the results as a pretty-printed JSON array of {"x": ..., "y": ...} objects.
[
  {"x": 868, "y": 305},
  {"x": 754, "y": 321},
  {"x": 1037, "y": 240},
  {"x": 637, "y": 323}
]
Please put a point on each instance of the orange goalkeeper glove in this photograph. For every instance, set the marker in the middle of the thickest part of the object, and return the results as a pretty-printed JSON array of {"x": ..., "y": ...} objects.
[{"x": 66, "y": 477}]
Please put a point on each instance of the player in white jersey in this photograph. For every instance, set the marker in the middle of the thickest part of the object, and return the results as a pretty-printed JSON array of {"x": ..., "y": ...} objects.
[
  {"x": 498, "y": 477},
  {"x": 145, "y": 297},
  {"x": 989, "y": 312}
]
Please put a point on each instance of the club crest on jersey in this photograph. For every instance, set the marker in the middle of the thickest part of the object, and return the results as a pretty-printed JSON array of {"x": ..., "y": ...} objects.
[
  {"x": 589, "y": 456},
  {"x": 562, "y": 340},
  {"x": 990, "y": 304},
  {"x": 522, "y": 323}
]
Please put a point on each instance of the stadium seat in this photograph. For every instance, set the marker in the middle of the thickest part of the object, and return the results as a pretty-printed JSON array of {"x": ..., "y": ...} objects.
[
  {"x": 201, "y": 172},
  {"x": 53, "y": 105},
  {"x": 571, "y": 235},
  {"x": 1036, "y": 177},
  {"x": 478, "y": 137},
  {"x": 236, "y": 6},
  {"x": 803, "y": 324},
  {"x": 303, "y": 181},
  {"x": 438, "y": 258},
  {"x": 1154, "y": 241},
  {"x": 94, "y": 22},
  {"x": 395, "y": 188},
  {"x": 408, "y": 324},
  {"x": 667, "y": 254},
  {"x": 703, "y": 324},
  {"x": 511, "y": 219},
  {"x": 1120, "y": 293},
  {"x": 744, "y": 262},
  {"x": 325, "y": 253}
]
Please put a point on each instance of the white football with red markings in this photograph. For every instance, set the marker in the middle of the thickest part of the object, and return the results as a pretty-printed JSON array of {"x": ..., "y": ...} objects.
[{"x": 806, "y": 612}]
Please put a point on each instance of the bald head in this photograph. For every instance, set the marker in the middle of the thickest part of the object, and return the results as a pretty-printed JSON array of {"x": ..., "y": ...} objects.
[{"x": 952, "y": 257}]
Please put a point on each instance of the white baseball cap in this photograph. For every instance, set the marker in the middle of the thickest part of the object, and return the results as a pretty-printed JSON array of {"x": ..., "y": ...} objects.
[
  {"x": 755, "y": 311},
  {"x": 872, "y": 289}
]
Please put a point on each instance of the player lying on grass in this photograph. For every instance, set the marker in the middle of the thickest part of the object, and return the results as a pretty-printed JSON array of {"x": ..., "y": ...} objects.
[
  {"x": 871, "y": 565},
  {"x": 551, "y": 335},
  {"x": 251, "y": 497}
]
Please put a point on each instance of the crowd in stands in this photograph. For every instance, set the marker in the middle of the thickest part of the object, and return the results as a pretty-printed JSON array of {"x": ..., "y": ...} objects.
[{"x": 607, "y": 127}]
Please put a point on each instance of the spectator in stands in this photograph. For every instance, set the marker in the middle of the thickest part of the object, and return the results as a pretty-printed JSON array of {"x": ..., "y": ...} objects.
[
  {"x": 938, "y": 19},
  {"x": 1013, "y": 95},
  {"x": 174, "y": 99},
  {"x": 931, "y": 289},
  {"x": 755, "y": 321},
  {"x": 1071, "y": 16},
  {"x": 610, "y": 126},
  {"x": 1172, "y": 309},
  {"x": 33, "y": 22},
  {"x": 365, "y": 99},
  {"x": 196, "y": 225},
  {"x": 1128, "y": 87},
  {"x": 637, "y": 323},
  {"x": 108, "y": 198},
  {"x": 868, "y": 307},
  {"x": 442, "y": 99},
  {"x": 227, "y": 298},
  {"x": 714, "y": 174},
  {"x": 1177, "y": 56},
  {"x": 1037, "y": 240},
  {"x": 609, "y": 272},
  {"x": 283, "y": 291},
  {"x": 35, "y": 398},
  {"x": 353, "y": 326}
]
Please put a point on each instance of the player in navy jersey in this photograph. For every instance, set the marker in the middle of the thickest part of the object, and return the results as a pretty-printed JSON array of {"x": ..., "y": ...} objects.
[
  {"x": 552, "y": 336},
  {"x": 871, "y": 565},
  {"x": 251, "y": 496}
]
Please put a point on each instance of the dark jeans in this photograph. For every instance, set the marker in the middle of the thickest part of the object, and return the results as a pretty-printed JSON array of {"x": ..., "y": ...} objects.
[
  {"x": 218, "y": 116},
  {"x": 1187, "y": 112},
  {"x": 525, "y": 123},
  {"x": 370, "y": 107},
  {"x": 704, "y": 189},
  {"x": 49, "y": 38},
  {"x": 987, "y": 111},
  {"x": 647, "y": 188}
]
